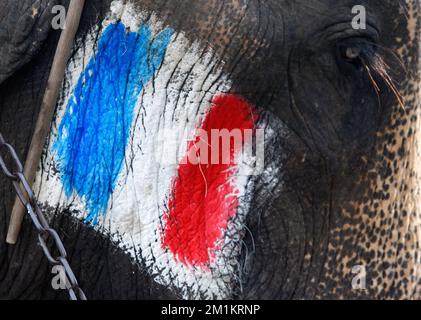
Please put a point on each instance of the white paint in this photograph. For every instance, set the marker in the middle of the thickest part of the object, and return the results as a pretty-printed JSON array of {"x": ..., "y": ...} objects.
[{"x": 177, "y": 102}]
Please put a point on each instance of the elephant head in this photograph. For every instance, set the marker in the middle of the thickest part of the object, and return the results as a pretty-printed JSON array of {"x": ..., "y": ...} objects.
[{"x": 330, "y": 207}]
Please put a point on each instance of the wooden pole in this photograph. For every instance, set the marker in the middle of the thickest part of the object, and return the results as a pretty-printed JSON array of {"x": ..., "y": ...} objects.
[{"x": 61, "y": 58}]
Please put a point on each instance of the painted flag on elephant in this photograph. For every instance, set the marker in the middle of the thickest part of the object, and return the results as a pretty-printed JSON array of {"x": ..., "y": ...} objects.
[{"x": 135, "y": 95}]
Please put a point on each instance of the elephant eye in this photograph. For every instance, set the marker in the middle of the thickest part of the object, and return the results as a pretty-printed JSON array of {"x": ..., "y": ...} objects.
[
  {"x": 354, "y": 51},
  {"x": 351, "y": 53}
]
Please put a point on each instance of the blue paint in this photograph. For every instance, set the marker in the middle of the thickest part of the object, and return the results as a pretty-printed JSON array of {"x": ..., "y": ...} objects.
[{"x": 93, "y": 135}]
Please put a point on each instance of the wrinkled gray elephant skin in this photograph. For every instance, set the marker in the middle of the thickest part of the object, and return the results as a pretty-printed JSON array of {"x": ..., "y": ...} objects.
[{"x": 334, "y": 212}]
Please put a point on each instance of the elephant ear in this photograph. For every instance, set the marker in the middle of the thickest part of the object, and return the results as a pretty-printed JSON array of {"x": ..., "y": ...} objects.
[{"x": 24, "y": 26}]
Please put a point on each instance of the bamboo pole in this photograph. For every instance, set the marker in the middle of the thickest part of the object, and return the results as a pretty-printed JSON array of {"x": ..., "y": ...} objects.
[{"x": 61, "y": 57}]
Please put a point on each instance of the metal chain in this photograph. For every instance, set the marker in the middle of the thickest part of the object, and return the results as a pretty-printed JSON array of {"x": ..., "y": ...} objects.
[{"x": 22, "y": 187}]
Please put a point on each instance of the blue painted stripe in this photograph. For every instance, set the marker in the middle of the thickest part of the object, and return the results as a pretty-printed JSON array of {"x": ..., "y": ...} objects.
[{"x": 93, "y": 135}]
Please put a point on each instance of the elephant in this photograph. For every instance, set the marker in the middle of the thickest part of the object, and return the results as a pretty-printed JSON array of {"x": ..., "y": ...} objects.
[{"x": 333, "y": 212}]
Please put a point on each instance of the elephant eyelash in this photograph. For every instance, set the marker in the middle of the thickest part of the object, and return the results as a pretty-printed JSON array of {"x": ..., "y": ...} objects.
[
  {"x": 364, "y": 56},
  {"x": 374, "y": 64}
]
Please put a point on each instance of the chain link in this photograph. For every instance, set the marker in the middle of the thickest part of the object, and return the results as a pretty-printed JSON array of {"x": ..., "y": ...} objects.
[{"x": 27, "y": 197}]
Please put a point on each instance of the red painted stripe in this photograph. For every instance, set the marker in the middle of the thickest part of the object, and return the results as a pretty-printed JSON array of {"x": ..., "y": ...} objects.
[{"x": 203, "y": 198}]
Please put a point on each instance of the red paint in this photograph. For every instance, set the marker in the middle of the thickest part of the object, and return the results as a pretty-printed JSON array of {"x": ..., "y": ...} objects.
[{"x": 203, "y": 198}]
